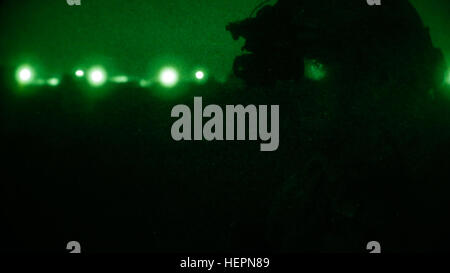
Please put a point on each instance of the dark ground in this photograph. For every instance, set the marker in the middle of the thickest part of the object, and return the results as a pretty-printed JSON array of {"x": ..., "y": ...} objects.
[{"x": 106, "y": 172}]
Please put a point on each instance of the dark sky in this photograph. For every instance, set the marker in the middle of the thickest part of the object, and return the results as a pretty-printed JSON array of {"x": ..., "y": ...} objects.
[{"x": 134, "y": 36}]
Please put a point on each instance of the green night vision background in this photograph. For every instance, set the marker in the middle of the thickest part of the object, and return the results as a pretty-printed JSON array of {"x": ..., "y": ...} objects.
[
  {"x": 85, "y": 103},
  {"x": 129, "y": 37}
]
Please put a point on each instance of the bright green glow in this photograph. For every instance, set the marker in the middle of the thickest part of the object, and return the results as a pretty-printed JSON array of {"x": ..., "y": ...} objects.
[
  {"x": 25, "y": 75},
  {"x": 53, "y": 82},
  {"x": 97, "y": 76},
  {"x": 168, "y": 77},
  {"x": 447, "y": 78},
  {"x": 120, "y": 79},
  {"x": 200, "y": 75},
  {"x": 143, "y": 83},
  {"x": 314, "y": 70},
  {"x": 79, "y": 73}
]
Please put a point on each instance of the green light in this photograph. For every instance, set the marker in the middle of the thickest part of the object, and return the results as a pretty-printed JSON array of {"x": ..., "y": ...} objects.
[
  {"x": 25, "y": 75},
  {"x": 314, "y": 70},
  {"x": 447, "y": 78},
  {"x": 53, "y": 82},
  {"x": 120, "y": 79},
  {"x": 200, "y": 75},
  {"x": 143, "y": 83},
  {"x": 168, "y": 77},
  {"x": 79, "y": 73},
  {"x": 97, "y": 76}
]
